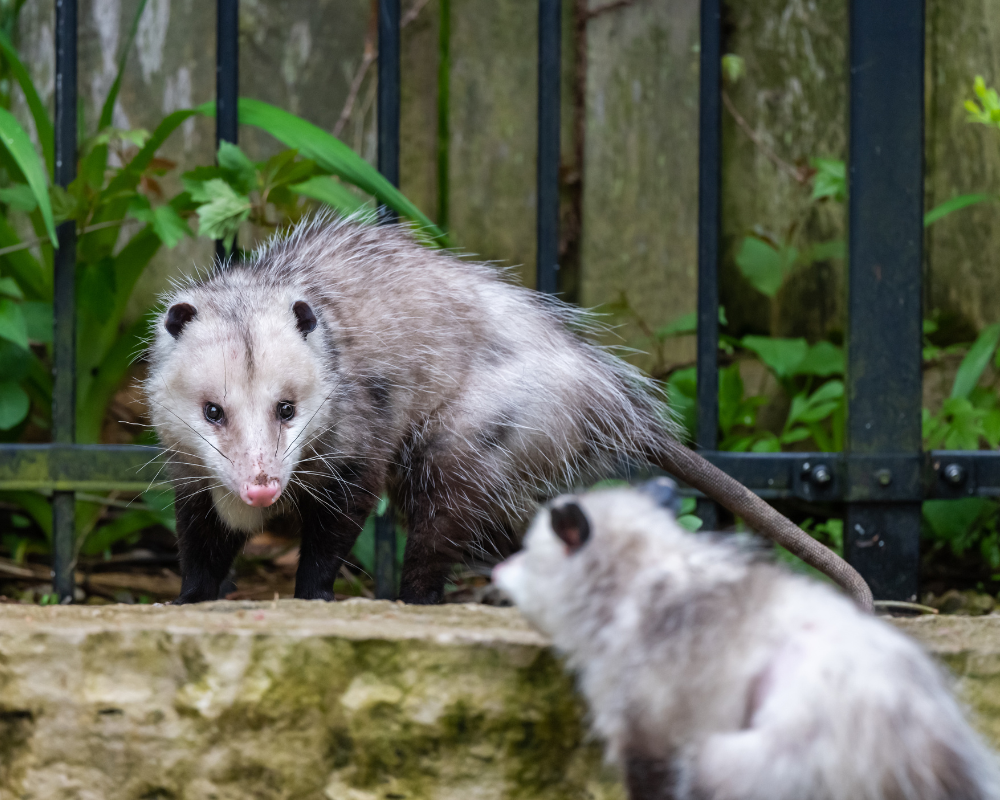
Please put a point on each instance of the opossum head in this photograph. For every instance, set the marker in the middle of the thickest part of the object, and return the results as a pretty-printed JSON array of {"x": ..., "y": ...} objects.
[
  {"x": 238, "y": 385},
  {"x": 580, "y": 542}
]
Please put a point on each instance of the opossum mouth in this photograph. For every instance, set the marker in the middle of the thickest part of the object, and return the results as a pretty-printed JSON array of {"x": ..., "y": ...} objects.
[{"x": 261, "y": 493}]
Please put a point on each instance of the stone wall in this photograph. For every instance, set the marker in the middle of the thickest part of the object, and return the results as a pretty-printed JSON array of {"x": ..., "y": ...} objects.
[
  {"x": 639, "y": 175},
  {"x": 360, "y": 700},
  {"x": 349, "y": 701}
]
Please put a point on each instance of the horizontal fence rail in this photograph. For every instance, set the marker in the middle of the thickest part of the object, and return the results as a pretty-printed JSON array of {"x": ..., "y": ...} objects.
[
  {"x": 881, "y": 478},
  {"x": 813, "y": 477}
]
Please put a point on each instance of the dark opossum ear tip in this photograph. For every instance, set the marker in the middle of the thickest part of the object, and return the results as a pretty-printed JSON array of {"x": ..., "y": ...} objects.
[
  {"x": 663, "y": 492},
  {"x": 570, "y": 524},
  {"x": 306, "y": 319},
  {"x": 179, "y": 315}
]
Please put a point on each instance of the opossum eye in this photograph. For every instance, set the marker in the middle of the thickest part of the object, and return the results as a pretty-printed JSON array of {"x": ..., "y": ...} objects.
[
  {"x": 214, "y": 413},
  {"x": 305, "y": 316},
  {"x": 571, "y": 525},
  {"x": 178, "y": 316},
  {"x": 286, "y": 410}
]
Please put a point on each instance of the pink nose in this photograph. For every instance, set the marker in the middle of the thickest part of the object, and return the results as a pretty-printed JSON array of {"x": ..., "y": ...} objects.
[{"x": 260, "y": 495}]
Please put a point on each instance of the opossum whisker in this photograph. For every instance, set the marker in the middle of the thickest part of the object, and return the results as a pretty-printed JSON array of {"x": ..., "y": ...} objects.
[
  {"x": 309, "y": 421},
  {"x": 216, "y": 449}
]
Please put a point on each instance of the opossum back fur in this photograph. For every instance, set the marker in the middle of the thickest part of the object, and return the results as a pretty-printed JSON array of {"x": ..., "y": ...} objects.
[
  {"x": 476, "y": 393},
  {"x": 734, "y": 678}
]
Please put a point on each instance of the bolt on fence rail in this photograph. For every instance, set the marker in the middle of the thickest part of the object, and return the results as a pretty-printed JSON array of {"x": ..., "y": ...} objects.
[{"x": 882, "y": 476}]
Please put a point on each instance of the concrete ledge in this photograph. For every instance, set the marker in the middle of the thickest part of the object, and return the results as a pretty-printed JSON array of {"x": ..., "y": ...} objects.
[
  {"x": 970, "y": 648},
  {"x": 358, "y": 700},
  {"x": 348, "y": 701}
]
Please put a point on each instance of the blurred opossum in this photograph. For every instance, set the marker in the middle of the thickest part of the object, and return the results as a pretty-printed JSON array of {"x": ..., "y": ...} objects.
[
  {"x": 713, "y": 674},
  {"x": 346, "y": 359}
]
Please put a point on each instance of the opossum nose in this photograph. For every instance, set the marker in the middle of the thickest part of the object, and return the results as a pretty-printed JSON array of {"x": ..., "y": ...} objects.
[{"x": 261, "y": 494}]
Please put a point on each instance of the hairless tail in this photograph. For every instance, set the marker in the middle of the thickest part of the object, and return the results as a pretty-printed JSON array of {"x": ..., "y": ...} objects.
[{"x": 698, "y": 473}]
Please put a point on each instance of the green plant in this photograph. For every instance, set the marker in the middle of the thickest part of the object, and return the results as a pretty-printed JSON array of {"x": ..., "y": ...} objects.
[{"x": 123, "y": 218}]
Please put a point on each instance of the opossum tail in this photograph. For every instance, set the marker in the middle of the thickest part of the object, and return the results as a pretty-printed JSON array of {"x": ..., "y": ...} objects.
[{"x": 698, "y": 473}]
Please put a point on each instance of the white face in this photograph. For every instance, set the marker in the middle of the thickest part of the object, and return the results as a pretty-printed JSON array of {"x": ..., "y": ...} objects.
[
  {"x": 532, "y": 577},
  {"x": 245, "y": 399},
  {"x": 619, "y": 528}
]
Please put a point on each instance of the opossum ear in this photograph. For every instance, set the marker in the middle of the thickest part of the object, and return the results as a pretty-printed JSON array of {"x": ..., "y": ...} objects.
[
  {"x": 179, "y": 315},
  {"x": 571, "y": 525},
  {"x": 663, "y": 492},
  {"x": 305, "y": 316}
]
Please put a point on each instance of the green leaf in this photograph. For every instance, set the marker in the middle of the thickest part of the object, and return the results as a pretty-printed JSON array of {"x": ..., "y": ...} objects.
[
  {"x": 823, "y": 359},
  {"x": 12, "y": 325},
  {"x": 232, "y": 160},
  {"x": 283, "y": 169},
  {"x": 330, "y": 191},
  {"x": 14, "y": 404},
  {"x": 23, "y": 267},
  {"x": 816, "y": 407},
  {"x": 795, "y": 435},
  {"x": 690, "y": 522},
  {"x": 165, "y": 221},
  {"x": 824, "y": 251},
  {"x": 102, "y": 539},
  {"x": 169, "y": 225},
  {"x": 764, "y": 266},
  {"x": 9, "y": 288},
  {"x": 329, "y": 153},
  {"x": 221, "y": 216},
  {"x": 952, "y": 520},
  {"x": 111, "y": 370},
  {"x": 109, "y": 103},
  {"x": 97, "y": 289},
  {"x": 768, "y": 443},
  {"x": 43, "y": 125},
  {"x": 38, "y": 319},
  {"x": 730, "y": 397},
  {"x": 975, "y": 361},
  {"x": 991, "y": 428},
  {"x": 682, "y": 391},
  {"x": 15, "y": 361},
  {"x": 19, "y": 197},
  {"x": 781, "y": 356},
  {"x": 21, "y": 150},
  {"x": 962, "y": 201},
  {"x": 685, "y": 324},
  {"x": 830, "y": 179},
  {"x": 128, "y": 177},
  {"x": 733, "y": 68}
]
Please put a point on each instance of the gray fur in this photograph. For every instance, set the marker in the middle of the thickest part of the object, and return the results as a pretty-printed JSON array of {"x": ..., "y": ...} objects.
[
  {"x": 713, "y": 674},
  {"x": 464, "y": 395}
]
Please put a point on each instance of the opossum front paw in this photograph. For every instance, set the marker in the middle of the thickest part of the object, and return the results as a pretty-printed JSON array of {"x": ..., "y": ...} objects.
[
  {"x": 314, "y": 594},
  {"x": 414, "y": 598},
  {"x": 186, "y": 598}
]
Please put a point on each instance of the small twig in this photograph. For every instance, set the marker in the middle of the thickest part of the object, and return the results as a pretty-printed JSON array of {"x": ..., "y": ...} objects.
[
  {"x": 799, "y": 174},
  {"x": 596, "y": 12},
  {"x": 902, "y": 605},
  {"x": 43, "y": 239},
  {"x": 370, "y": 57}
]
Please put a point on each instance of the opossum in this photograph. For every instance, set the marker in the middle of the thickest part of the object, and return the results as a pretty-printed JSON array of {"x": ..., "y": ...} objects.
[
  {"x": 345, "y": 358},
  {"x": 712, "y": 673}
]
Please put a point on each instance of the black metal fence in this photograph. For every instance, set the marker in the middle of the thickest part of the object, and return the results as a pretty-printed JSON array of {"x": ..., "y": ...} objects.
[{"x": 881, "y": 477}]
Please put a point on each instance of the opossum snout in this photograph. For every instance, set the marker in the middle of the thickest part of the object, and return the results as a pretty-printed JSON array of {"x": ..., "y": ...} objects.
[{"x": 262, "y": 492}]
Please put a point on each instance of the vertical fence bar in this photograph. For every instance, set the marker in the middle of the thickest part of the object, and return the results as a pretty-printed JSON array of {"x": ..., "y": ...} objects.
[
  {"x": 547, "y": 222},
  {"x": 63, "y": 302},
  {"x": 885, "y": 223},
  {"x": 709, "y": 217},
  {"x": 388, "y": 164},
  {"x": 227, "y": 81}
]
